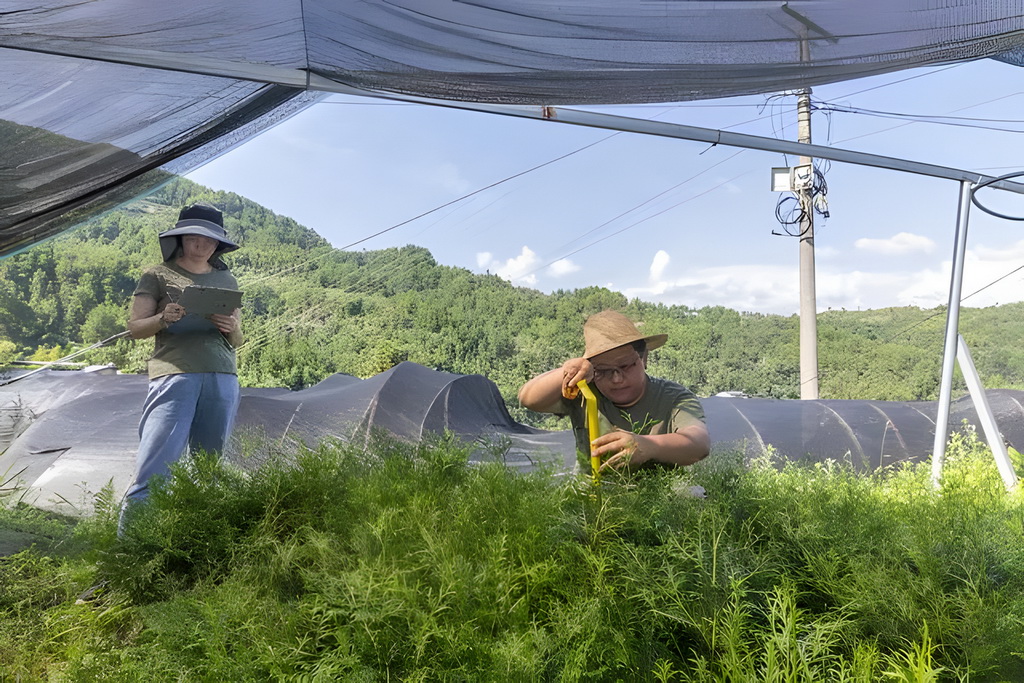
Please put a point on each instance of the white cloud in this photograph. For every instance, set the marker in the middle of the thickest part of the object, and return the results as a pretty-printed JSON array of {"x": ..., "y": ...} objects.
[
  {"x": 516, "y": 269},
  {"x": 1012, "y": 252},
  {"x": 776, "y": 288},
  {"x": 897, "y": 245},
  {"x": 658, "y": 265},
  {"x": 562, "y": 267},
  {"x": 742, "y": 287}
]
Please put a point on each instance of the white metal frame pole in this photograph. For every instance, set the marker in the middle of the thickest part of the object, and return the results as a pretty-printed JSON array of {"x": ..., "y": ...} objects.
[
  {"x": 952, "y": 332},
  {"x": 985, "y": 415}
]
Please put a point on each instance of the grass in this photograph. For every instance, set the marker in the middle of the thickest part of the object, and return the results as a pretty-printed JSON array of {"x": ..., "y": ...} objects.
[{"x": 404, "y": 563}]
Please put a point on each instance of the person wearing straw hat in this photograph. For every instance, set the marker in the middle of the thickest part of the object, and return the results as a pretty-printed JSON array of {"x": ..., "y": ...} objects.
[
  {"x": 644, "y": 420},
  {"x": 193, "y": 384}
]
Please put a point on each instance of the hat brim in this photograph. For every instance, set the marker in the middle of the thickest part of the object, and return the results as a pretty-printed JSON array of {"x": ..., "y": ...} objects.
[{"x": 654, "y": 341}]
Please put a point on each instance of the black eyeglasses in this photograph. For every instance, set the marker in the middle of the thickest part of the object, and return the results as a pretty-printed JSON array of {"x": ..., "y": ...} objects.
[{"x": 608, "y": 373}]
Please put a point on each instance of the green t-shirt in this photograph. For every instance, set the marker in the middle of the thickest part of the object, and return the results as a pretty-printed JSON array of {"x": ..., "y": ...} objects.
[
  {"x": 189, "y": 345},
  {"x": 664, "y": 408}
]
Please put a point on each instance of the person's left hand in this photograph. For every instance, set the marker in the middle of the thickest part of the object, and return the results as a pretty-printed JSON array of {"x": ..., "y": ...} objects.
[
  {"x": 624, "y": 448},
  {"x": 226, "y": 323}
]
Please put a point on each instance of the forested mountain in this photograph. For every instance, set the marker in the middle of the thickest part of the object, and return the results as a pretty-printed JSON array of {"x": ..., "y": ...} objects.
[{"x": 311, "y": 310}]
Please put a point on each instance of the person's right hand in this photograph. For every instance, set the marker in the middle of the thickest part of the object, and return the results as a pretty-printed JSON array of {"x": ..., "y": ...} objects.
[
  {"x": 172, "y": 313},
  {"x": 573, "y": 370}
]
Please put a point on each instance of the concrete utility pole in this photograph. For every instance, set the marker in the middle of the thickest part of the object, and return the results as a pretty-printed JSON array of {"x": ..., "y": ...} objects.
[{"x": 808, "y": 297}]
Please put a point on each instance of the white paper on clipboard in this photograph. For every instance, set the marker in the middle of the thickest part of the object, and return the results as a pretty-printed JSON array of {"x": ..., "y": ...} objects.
[{"x": 204, "y": 301}]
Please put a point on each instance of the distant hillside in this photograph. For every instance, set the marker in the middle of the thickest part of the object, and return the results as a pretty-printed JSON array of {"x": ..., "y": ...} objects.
[{"x": 311, "y": 310}]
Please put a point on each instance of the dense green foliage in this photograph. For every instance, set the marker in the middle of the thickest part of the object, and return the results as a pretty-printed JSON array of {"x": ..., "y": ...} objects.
[
  {"x": 311, "y": 310},
  {"x": 405, "y": 563}
]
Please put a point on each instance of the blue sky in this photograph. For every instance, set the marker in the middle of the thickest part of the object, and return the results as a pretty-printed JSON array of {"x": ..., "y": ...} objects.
[{"x": 664, "y": 220}]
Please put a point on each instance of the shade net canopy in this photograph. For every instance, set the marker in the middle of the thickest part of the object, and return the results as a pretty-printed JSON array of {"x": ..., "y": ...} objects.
[
  {"x": 103, "y": 99},
  {"x": 65, "y": 435}
]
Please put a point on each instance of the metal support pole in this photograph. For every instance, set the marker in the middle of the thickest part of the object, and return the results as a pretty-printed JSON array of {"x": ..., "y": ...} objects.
[
  {"x": 985, "y": 415},
  {"x": 952, "y": 332},
  {"x": 808, "y": 296}
]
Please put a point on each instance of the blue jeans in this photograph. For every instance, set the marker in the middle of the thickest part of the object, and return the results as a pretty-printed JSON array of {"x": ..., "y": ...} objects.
[{"x": 193, "y": 410}]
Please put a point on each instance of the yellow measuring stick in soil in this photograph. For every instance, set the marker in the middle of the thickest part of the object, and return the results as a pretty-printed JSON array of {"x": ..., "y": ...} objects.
[{"x": 593, "y": 426}]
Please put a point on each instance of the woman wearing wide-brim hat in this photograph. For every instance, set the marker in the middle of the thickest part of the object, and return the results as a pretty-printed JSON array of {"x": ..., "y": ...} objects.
[
  {"x": 644, "y": 420},
  {"x": 193, "y": 380}
]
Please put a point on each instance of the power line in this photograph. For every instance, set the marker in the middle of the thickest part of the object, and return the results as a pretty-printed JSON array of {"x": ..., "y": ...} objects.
[
  {"x": 908, "y": 123},
  {"x": 902, "y": 80},
  {"x": 956, "y": 121},
  {"x": 454, "y": 201},
  {"x": 962, "y": 299},
  {"x": 644, "y": 203},
  {"x": 642, "y": 220}
]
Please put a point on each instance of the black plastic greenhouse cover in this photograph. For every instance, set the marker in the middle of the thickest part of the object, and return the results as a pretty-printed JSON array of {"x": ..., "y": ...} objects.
[{"x": 65, "y": 434}]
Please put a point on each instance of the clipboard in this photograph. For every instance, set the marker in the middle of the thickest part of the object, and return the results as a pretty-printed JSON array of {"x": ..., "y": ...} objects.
[{"x": 204, "y": 301}]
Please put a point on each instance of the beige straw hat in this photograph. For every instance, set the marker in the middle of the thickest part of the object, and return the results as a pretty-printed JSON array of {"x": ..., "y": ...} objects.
[{"x": 609, "y": 330}]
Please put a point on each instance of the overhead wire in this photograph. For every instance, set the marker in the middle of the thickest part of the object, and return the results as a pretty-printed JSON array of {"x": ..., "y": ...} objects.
[
  {"x": 962, "y": 299},
  {"x": 903, "y": 80},
  {"x": 911, "y": 122},
  {"x": 382, "y": 277},
  {"x": 319, "y": 309},
  {"x": 71, "y": 356},
  {"x": 820, "y": 185},
  {"x": 818, "y": 177},
  {"x": 935, "y": 119},
  {"x": 640, "y": 205},
  {"x": 643, "y": 220},
  {"x": 819, "y": 202},
  {"x": 454, "y": 201},
  {"x": 644, "y": 203}
]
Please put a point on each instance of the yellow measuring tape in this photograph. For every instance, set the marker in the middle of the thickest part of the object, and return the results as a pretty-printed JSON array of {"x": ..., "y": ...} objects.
[{"x": 593, "y": 426}]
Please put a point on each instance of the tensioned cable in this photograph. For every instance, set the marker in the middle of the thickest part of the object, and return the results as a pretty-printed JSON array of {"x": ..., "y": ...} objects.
[
  {"x": 770, "y": 101},
  {"x": 482, "y": 189},
  {"x": 962, "y": 299},
  {"x": 910, "y": 123},
  {"x": 959, "y": 122},
  {"x": 640, "y": 205},
  {"x": 320, "y": 309},
  {"x": 903, "y": 80},
  {"x": 393, "y": 227},
  {"x": 454, "y": 201},
  {"x": 940, "y": 312},
  {"x": 642, "y": 220},
  {"x": 922, "y": 117},
  {"x": 66, "y": 358}
]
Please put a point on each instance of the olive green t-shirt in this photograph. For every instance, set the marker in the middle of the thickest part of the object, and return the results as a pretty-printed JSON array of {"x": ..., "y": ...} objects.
[
  {"x": 191, "y": 345},
  {"x": 664, "y": 408}
]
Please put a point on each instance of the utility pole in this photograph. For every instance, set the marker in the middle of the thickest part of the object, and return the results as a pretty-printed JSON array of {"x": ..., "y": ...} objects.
[
  {"x": 806, "y": 31},
  {"x": 808, "y": 297}
]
